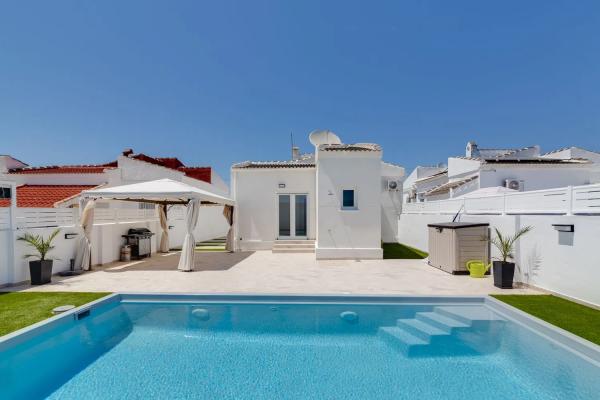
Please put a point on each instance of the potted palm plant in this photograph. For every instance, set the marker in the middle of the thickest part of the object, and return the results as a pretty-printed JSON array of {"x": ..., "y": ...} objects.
[
  {"x": 504, "y": 271},
  {"x": 40, "y": 270}
]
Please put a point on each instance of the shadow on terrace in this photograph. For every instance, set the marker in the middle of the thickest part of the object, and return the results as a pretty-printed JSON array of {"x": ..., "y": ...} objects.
[{"x": 203, "y": 261}]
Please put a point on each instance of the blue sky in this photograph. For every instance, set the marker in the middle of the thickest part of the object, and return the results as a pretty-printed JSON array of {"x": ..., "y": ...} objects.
[{"x": 216, "y": 82}]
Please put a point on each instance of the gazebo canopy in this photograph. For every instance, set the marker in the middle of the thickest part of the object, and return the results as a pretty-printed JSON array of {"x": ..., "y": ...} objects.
[{"x": 161, "y": 191}]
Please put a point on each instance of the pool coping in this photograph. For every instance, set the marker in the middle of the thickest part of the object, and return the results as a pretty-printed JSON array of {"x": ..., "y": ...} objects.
[{"x": 559, "y": 336}]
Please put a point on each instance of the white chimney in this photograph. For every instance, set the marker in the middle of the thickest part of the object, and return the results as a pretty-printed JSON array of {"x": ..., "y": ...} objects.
[
  {"x": 472, "y": 150},
  {"x": 295, "y": 153}
]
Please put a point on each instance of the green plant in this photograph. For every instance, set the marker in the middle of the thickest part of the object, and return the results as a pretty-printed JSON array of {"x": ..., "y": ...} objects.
[
  {"x": 41, "y": 245},
  {"x": 506, "y": 243}
]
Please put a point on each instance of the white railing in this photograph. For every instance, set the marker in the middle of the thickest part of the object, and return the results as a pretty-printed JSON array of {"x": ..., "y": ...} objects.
[
  {"x": 568, "y": 201},
  {"x": 27, "y": 218},
  {"x": 4, "y": 218},
  {"x": 45, "y": 217},
  {"x": 114, "y": 215}
]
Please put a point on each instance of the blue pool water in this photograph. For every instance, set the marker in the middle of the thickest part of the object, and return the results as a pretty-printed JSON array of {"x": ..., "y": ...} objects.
[{"x": 138, "y": 350}]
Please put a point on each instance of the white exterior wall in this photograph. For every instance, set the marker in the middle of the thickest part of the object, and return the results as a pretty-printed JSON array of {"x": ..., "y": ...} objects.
[
  {"x": 348, "y": 233},
  {"x": 459, "y": 167},
  {"x": 465, "y": 188},
  {"x": 564, "y": 263},
  {"x": 255, "y": 191},
  {"x": 106, "y": 247},
  {"x": 537, "y": 177},
  {"x": 391, "y": 202},
  {"x": 211, "y": 224},
  {"x": 56, "y": 179}
]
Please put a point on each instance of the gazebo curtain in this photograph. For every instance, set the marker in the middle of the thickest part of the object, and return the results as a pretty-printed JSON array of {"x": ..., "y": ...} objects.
[
  {"x": 228, "y": 213},
  {"x": 164, "y": 225},
  {"x": 186, "y": 260},
  {"x": 83, "y": 254}
]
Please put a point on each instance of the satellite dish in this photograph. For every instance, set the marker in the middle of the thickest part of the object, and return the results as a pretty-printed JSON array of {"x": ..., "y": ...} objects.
[{"x": 320, "y": 137}]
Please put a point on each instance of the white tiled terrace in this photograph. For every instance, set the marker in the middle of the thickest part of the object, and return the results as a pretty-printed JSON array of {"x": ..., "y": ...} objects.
[{"x": 265, "y": 272}]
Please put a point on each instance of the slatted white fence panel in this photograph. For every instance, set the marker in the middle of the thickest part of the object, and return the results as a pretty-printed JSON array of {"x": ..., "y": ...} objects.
[
  {"x": 568, "y": 200},
  {"x": 484, "y": 205},
  {"x": 4, "y": 218},
  {"x": 586, "y": 199},
  {"x": 555, "y": 201},
  {"x": 45, "y": 217},
  {"x": 106, "y": 215}
]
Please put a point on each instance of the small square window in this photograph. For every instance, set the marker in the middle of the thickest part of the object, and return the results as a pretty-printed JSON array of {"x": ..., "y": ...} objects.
[{"x": 348, "y": 200}]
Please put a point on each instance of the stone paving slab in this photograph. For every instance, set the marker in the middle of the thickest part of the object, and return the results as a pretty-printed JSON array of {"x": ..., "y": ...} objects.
[{"x": 265, "y": 272}]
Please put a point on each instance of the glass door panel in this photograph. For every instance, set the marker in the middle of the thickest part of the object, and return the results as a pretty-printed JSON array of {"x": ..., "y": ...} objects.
[
  {"x": 300, "y": 217},
  {"x": 284, "y": 215}
]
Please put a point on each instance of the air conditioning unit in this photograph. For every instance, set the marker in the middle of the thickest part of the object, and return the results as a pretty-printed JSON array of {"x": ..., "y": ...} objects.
[
  {"x": 393, "y": 185},
  {"x": 514, "y": 184}
]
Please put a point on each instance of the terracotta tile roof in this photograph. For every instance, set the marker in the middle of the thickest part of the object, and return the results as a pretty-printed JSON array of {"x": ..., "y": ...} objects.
[
  {"x": 200, "y": 173},
  {"x": 44, "y": 195},
  {"x": 170, "y": 162},
  {"x": 65, "y": 169}
]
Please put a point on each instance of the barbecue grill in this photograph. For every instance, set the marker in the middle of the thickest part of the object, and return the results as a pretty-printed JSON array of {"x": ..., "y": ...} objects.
[{"x": 139, "y": 239}]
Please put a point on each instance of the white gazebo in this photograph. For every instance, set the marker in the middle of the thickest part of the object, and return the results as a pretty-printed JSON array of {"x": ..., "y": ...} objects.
[{"x": 161, "y": 192}]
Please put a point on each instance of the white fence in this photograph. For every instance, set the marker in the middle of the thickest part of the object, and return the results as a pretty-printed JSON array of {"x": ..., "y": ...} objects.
[
  {"x": 110, "y": 215},
  {"x": 4, "y": 218},
  {"x": 571, "y": 200},
  {"x": 27, "y": 218}
]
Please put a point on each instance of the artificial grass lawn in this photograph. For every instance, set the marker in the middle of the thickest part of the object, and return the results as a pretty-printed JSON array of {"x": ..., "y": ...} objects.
[
  {"x": 399, "y": 250},
  {"x": 578, "y": 319},
  {"x": 20, "y": 309}
]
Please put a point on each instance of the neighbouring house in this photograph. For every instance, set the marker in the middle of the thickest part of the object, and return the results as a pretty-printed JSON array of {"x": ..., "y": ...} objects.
[
  {"x": 340, "y": 201},
  {"x": 521, "y": 169},
  {"x": 59, "y": 186},
  {"x": 421, "y": 179}
]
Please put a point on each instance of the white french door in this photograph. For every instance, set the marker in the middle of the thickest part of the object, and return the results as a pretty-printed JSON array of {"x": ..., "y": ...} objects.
[{"x": 292, "y": 216}]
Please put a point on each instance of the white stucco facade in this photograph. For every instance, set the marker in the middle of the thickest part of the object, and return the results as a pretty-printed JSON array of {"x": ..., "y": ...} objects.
[
  {"x": 354, "y": 232},
  {"x": 339, "y": 232},
  {"x": 256, "y": 194}
]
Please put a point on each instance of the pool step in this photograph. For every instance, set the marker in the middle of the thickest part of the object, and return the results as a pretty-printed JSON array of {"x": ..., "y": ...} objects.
[{"x": 447, "y": 330}]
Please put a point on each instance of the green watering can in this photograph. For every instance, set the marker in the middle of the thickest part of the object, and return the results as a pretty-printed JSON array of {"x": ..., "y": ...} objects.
[{"x": 477, "y": 268}]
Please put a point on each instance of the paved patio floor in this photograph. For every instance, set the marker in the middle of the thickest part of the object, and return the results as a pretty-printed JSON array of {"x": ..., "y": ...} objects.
[{"x": 265, "y": 272}]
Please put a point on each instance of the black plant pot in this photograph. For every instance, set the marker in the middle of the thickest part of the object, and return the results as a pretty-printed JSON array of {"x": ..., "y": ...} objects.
[
  {"x": 40, "y": 271},
  {"x": 504, "y": 272}
]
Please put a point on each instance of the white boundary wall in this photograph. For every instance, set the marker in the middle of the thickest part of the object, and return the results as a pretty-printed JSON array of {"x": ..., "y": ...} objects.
[{"x": 561, "y": 262}]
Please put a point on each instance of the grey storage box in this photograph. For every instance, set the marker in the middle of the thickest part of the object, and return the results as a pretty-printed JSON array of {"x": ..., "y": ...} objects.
[{"x": 452, "y": 244}]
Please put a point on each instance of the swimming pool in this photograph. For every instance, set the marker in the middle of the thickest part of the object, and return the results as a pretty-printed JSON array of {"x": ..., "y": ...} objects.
[{"x": 296, "y": 347}]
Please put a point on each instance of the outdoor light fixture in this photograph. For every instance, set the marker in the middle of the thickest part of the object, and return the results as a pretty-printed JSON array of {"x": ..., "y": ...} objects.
[
  {"x": 282, "y": 186},
  {"x": 70, "y": 235},
  {"x": 564, "y": 227}
]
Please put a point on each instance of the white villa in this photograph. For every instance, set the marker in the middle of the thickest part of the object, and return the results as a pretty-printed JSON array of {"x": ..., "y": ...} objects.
[
  {"x": 496, "y": 170},
  {"x": 340, "y": 202}
]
